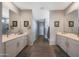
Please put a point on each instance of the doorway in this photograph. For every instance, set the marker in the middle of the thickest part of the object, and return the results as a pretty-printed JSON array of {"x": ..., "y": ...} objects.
[{"x": 41, "y": 28}]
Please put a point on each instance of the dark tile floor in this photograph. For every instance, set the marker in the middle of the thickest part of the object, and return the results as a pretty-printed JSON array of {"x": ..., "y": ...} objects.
[{"x": 42, "y": 49}]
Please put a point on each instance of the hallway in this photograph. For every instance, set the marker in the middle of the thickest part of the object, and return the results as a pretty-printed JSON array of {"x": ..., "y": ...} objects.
[{"x": 42, "y": 49}]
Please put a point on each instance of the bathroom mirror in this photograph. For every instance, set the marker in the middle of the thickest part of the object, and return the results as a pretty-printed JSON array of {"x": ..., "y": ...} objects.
[
  {"x": 26, "y": 23},
  {"x": 56, "y": 23},
  {"x": 5, "y": 25},
  {"x": 14, "y": 23},
  {"x": 71, "y": 22},
  {"x": 5, "y": 20}
]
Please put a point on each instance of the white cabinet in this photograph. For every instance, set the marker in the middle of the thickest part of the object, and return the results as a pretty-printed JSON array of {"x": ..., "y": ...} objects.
[
  {"x": 62, "y": 42},
  {"x": 20, "y": 44},
  {"x": 1, "y": 50},
  {"x": 58, "y": 41},
  {"x": 73, "y": 48},
  {"x": 70, "y": 46},
  {"x": 25, "y": 40},
  {"x": 11, "y": 48}
]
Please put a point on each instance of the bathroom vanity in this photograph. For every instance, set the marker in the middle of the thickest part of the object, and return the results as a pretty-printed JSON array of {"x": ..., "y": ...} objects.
[
  {"x": 11, "y": 23},
  {"x": 69, "y": 43},
  {"x": 13, "y": 44}
]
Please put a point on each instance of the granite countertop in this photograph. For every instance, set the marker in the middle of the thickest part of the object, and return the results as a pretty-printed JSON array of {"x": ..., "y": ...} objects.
[
  {"x": 69, "y": 35},
  {"x": 11, "y": 37}
]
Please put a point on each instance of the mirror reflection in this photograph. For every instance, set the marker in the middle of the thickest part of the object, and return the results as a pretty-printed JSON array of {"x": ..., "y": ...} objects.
[
  {"x": 5, "y": 25},
  {"x": 5, "y": 19}
]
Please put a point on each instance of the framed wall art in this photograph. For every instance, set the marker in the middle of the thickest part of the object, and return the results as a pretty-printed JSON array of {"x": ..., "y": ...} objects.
[
  {"x": 56, "y": 23},
  {"x": 14, "y": 23},
  {"x": 71, "y": 23},
  {"x": 26, "y": 23}
]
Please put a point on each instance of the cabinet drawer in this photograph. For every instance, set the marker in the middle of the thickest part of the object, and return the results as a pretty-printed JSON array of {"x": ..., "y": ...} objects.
[
  {"x": 20, "y": 44},
  {"x": 11, "y": 42},
  {"x": 73, "y": 48},
  {"x": 11, "y": 49},
  {"x": 1, "y": 50}
]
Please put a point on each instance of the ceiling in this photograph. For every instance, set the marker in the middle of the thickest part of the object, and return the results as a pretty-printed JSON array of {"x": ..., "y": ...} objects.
[{"x": 42, "y": 5}]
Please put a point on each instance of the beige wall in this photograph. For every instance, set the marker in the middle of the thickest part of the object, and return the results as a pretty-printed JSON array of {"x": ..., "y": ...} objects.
[
  {"x": 73, "y": 16},
  {"x": 63, "y": 27},
  {"x": 55, "y": 16},
  {"x": 25, "y": 15},
  {"x": 14, "y": 17},
  {"x": 20, "y": 18}
]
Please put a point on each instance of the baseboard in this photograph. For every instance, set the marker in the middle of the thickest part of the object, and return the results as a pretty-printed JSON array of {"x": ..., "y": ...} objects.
[{"x": 21, "y": 50}]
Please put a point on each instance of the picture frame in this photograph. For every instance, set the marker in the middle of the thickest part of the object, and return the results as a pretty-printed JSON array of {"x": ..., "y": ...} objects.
[
  {"x": 71, "y": 23},
  {"x": 14, "y": 23},
  {"x": 26, "y": 23},
  {"x": 56, "y": 23}
]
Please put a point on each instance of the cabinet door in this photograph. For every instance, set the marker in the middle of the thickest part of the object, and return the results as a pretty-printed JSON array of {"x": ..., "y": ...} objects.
[
  {"x": 1, "y": 50},
  {"x": 11, "y": 48},
  {"x": 25, "y": 41},
  {"x": 73, "y": 48},
  {"x": 61, "y": 41},
  {"x": 64, "y": 43},
  {"x": 20, "y": 44},
  {"x": 58, "y": 40}
]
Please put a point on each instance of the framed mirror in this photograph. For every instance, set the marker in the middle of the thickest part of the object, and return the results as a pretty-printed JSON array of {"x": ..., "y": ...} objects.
[
  {"x": 14, "y": 23},
  {"x": 56, "y": 23},
  {"x": 71, "y": 23},
  {"x": 26, "y": 23}
]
